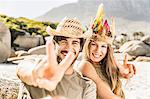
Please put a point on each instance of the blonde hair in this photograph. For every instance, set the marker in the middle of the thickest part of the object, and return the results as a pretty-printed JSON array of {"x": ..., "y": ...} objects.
[{"x": 110, "y": 70}]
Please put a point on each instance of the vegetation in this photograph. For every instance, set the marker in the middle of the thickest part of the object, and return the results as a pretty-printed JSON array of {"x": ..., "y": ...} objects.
[
  {"x": 138, "y": 35},
  {"x": 21, "y": 25}
]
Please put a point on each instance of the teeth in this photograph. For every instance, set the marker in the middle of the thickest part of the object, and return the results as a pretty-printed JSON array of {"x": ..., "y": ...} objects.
[{"x": 96, "y": 56}]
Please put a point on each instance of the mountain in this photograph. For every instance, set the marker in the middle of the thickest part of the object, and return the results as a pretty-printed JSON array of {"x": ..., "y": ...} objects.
[{"x": 131, "y": 15}]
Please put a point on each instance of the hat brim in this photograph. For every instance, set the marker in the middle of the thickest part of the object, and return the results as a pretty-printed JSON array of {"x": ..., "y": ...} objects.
[{"x": 53, "y": 32}]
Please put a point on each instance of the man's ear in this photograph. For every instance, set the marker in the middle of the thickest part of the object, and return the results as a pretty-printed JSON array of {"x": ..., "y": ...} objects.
[{"x": 82, "y": 41}]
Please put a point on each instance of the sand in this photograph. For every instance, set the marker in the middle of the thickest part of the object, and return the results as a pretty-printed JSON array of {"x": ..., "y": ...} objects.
[{"x": 138, "y": 87}]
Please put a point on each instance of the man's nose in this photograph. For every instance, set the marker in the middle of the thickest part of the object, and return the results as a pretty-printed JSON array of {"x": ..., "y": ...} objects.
[{"x": 69, "y": 46}]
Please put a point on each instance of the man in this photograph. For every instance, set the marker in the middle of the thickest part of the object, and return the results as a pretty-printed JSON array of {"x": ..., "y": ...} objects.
[{"x": 54, "y": 75}]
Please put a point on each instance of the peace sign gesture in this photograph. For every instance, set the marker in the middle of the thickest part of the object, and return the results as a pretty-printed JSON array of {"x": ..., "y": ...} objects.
[
  {"x": 49, "y": 72},
  {"x": 127, "y": 70}
]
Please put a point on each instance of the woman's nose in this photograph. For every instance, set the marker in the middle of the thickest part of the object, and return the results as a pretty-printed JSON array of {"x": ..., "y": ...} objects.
[{"x": 99, "y": 49}]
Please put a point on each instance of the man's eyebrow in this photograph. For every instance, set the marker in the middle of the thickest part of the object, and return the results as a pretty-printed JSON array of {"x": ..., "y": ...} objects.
[
  {"x": 64, "y": 39},
  {"x": 76, "y": 41}
]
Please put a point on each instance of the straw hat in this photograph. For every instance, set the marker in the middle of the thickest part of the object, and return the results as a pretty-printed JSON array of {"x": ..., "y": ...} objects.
[{"x": 68, "y": 27}]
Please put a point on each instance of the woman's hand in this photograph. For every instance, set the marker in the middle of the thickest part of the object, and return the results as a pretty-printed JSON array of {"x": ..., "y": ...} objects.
[{"x": 127, "y": 70}]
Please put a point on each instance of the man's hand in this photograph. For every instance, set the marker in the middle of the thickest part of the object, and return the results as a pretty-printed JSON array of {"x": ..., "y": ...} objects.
[
  {"x": 48, "y": 72},
  {"x": 127, "y": 70}
]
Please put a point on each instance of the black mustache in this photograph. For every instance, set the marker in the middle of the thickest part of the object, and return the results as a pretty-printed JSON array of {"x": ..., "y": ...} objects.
[{"x": 64, "y": 51}]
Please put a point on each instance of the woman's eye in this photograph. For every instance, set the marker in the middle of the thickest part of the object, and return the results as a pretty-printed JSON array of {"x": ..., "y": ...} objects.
[{"x": 104, "y": 46}]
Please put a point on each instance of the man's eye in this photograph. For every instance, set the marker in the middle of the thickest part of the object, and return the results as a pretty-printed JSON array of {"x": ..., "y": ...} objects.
[
  {"x": 75, "y": 43},
  {"x": 62, "y": 42}
]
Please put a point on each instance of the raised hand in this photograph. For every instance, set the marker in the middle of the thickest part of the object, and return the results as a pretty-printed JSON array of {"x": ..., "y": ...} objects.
[
  {"x": 127, "y": 70},
  {"x": 48, "y": 72}
]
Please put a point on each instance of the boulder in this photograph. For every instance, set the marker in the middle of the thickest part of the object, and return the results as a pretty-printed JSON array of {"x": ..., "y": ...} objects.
[
  {"x": 27, "y": 41},
  {"x": 127, "y": 45},
  {"x": 135, "y": 48},
  {"x": 5, "y": 42},
  {"x": 119, "y": 40},
  {"x": 146, "y": 39},
  {"x": 21, "y": 53},
  {"x": 143, "y": 59},
  {"x": 38, "y": 50},
  {"x": 12, "y": 53}
]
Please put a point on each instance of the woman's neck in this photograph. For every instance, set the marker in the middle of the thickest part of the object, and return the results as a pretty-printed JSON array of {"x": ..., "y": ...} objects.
[{"x": 95, "y": 64}]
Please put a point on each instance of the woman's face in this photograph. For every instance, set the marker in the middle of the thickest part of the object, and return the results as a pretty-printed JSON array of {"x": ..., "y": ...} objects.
[{"x": 98, "y": 51}]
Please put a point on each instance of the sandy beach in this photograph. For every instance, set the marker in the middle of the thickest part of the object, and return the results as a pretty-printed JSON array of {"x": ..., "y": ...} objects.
[{"x": 137, "y": 87}]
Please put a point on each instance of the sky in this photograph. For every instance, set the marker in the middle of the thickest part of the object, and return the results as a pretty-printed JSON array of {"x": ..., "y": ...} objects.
[{"x": 29, "y": 8}]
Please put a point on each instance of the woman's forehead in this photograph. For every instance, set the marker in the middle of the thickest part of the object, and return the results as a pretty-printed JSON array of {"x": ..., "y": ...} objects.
[{"x": 99, "y": 42}]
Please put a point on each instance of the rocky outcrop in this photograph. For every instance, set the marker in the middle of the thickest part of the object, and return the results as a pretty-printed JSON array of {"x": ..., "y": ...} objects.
[
  {"x": 5, "y": 42},
  {"x": 146, "y": 40},
  {"x": 142, "y": 59},
  {"x": 37, "y": 50},
  {"x": 27, "y": 41},
  {"x": 120, "y": 40},
  {"x": 135, "y": 48}
]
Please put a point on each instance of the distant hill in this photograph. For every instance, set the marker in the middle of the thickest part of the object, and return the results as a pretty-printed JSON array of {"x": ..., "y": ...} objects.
[{"x": 131, "y": 15}]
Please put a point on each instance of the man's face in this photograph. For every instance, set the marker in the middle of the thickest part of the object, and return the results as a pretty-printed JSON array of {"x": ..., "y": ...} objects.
[{"x": 67, "y": 44}]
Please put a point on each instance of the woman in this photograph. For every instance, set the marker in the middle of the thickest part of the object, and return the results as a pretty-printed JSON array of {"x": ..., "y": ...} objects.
[{"x": 99, "y": 65}]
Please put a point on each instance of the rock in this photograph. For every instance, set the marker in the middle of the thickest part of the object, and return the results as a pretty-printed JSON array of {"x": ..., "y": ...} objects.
[
  {"x": 146, "y": 40},
  {"x": 28, "y": 41},
  {"x": 13, "y": 53},
  {"x": 143, "y": 59},
  {"x": 38, "y": 50},
  {"x": 17, "y": 60},
  {"x": 21, "y": 53},
  {"x": 5, "y": 42},
  {"x": 135, "y": 48},
  {"x": 120, "y": 40},
  {"x": 148, "y": 55},
  {"x": 126, "y": 45}
]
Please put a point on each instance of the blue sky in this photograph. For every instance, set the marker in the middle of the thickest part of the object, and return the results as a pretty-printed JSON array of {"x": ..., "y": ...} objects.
[{"x": 29, "y": 8}]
